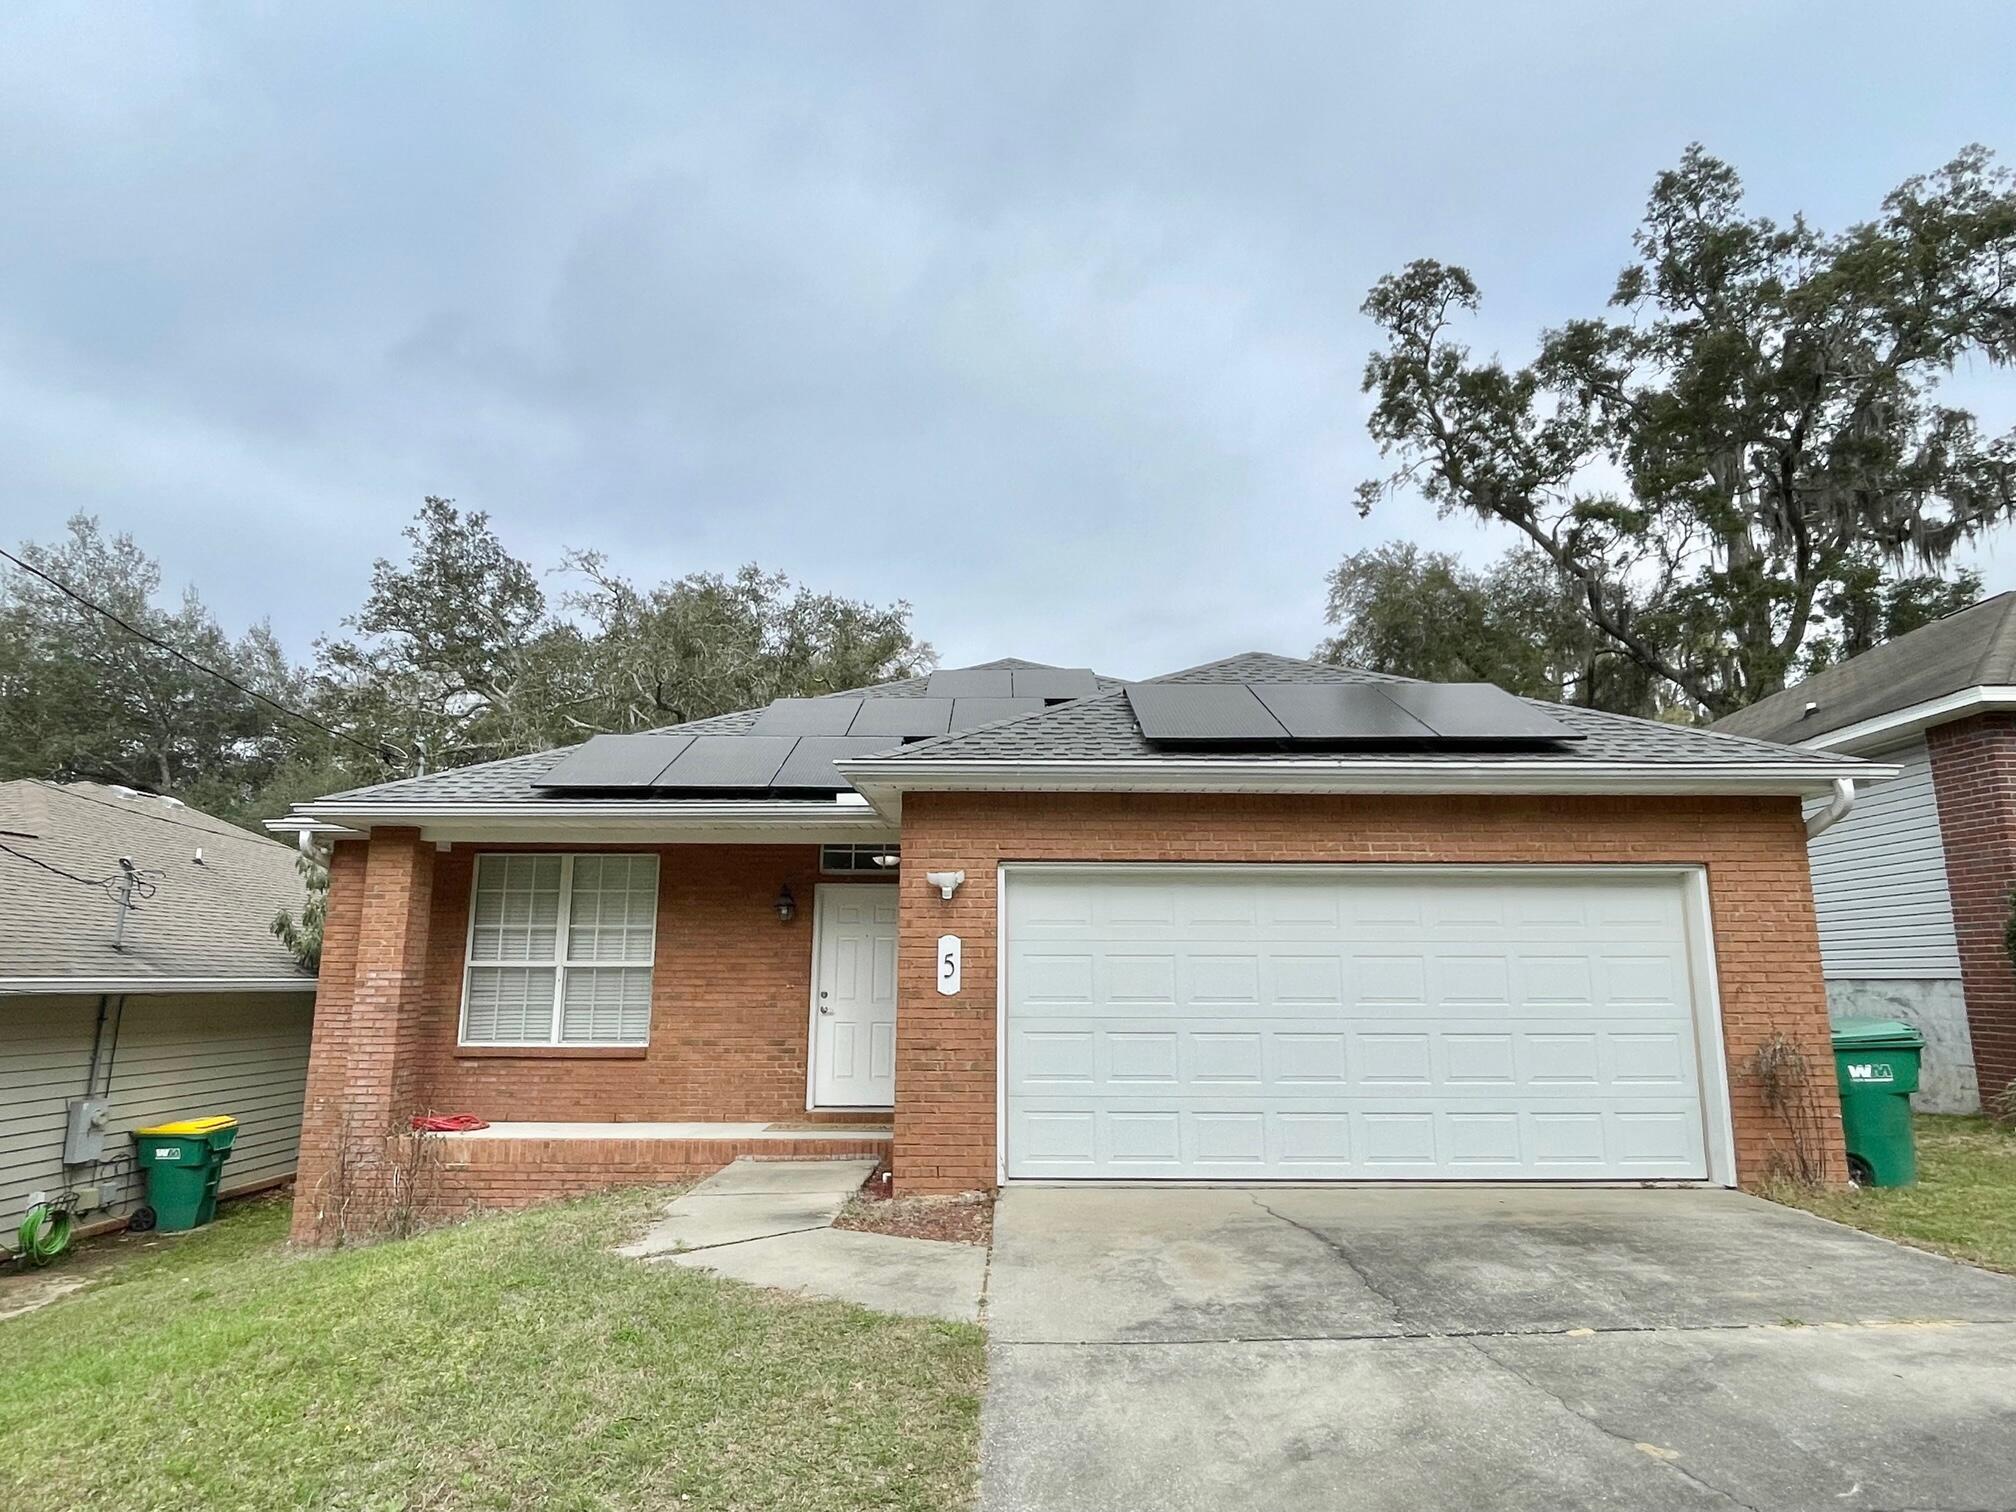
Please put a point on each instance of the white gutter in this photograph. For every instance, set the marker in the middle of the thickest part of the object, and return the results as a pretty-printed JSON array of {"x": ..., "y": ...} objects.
[
  {"x": 1881, "y": 729},
  {"x": 1836, "y": 810},
  {"x": 1388, "y": 776},
  {"x": 14, "y": 986},
  {"x": 670, "y": 820},
  {"x": 771, "y": 810}
]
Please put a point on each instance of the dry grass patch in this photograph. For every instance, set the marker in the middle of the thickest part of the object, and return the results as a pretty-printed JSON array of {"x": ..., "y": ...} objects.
[{"x": 1964, "y": 1204}]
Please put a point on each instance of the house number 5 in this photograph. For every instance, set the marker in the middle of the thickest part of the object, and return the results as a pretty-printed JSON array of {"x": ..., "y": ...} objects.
[{"x": 948, "y": 965}]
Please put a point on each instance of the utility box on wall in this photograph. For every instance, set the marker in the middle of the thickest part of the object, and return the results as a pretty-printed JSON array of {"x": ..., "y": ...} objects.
[{"x": 84, "y": 1131}]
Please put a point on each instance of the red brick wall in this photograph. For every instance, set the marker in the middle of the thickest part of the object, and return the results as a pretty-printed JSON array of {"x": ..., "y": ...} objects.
[
  {"x": 329, "y": 1041},
  {"x": 1767, "y": 941},
  {"x": 487, "y": 1174},
  {"x": 1974, "y": 777},
  {"x": 731, "y": 992}
]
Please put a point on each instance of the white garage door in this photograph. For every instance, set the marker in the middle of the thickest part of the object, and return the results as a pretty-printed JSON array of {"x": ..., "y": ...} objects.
[{"x": 1202, "y": 1024}]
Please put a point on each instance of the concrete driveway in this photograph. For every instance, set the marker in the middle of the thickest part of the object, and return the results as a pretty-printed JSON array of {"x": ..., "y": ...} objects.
[{"x": 1484, "y": 1348}]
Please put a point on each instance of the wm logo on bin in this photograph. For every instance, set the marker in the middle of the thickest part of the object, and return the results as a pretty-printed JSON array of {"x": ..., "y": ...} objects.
[{"x": 1876, "y": 1072}]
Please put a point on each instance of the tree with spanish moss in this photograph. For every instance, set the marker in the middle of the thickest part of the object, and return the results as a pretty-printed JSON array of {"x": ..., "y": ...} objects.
[{"x": 1745, "y": 469}]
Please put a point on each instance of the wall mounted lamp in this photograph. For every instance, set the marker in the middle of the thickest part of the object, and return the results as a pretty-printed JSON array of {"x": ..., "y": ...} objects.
[{"x": 786, "y": 905}]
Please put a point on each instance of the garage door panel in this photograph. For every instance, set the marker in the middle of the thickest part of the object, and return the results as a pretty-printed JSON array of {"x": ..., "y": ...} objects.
[
  {"x": 1125, "y": 1056},
  {"x": 1369, "y": 1140},
  {"x": 1325, "y": 1026}
]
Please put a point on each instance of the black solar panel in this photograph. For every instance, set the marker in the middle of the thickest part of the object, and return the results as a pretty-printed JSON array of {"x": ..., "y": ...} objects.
[
  {"x": 616, "y": 761},
  {"x": 1202, "y": 713},
  {"x": 971, "y": 713},
  {"x": 807, "y": 716},
  {"x": 1342, "y": 713},
  {"x": 728, "y": 761},
  {"x": 1054, "y": 682},
  {"x": 1481, "y": 712},
  {"x": 902, "y": 718},
  {"x": 970, "y": 682},
  {"x": 1399, "y": 714},
  {"x": 809, "y": 767}
]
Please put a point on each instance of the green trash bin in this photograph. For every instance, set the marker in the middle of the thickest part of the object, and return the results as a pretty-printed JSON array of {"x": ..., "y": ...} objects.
[
  {"x": 1876, "y": 1064},
  {"x": 184, "y": 1163}
]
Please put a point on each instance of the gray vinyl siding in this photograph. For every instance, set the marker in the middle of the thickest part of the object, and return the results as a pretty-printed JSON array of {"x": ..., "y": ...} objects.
[
  {"x": 1879, "y": 880},
  {"x": 176, "y": 1056}
]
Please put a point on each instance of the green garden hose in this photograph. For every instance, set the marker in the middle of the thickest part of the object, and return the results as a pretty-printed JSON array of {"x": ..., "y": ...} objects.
[{"x": 44, "y": 1233}]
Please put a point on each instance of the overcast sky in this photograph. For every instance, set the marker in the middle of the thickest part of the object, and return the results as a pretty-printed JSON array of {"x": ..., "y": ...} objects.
[{"x": 1041, "y": 317}]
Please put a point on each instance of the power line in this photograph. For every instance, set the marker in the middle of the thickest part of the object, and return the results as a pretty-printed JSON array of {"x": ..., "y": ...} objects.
[
  {"x": 377, "y": 753},
  {"x": 106, "y": 883}
]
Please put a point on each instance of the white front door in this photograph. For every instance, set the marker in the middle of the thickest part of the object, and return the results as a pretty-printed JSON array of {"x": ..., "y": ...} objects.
[{"x": 854, "y": 997}]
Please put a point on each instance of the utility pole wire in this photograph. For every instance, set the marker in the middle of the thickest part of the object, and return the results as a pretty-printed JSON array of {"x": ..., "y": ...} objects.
[{"x": 380, "y": 754}]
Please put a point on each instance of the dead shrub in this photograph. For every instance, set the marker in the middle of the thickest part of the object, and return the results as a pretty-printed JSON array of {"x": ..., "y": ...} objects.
[
  {"x": 381, "y": 1184},
  {"x": 1788, "y": 1083}
]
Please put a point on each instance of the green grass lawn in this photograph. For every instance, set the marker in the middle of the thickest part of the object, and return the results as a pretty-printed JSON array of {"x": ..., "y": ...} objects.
[
  {"x": 509, "y": 1362},
  {"x": 1964, "y": 1204}
]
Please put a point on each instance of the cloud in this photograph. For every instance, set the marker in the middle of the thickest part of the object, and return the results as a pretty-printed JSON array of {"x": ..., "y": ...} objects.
[{"x": 1044, "y": 318}]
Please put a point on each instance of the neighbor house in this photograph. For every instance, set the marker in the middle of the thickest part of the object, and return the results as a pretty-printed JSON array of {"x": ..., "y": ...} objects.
[
  {"x": 1915, "y": 887},
  {"x": 140, "y": 981},
  {"x": 1263, "y": 919}
]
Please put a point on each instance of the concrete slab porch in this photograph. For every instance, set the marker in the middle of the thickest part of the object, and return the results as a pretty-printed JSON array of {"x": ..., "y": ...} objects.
[{"x": 515, "y": 1164}]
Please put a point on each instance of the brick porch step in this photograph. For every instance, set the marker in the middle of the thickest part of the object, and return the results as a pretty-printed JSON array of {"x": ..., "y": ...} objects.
[{"x": 510, "y": 1165}]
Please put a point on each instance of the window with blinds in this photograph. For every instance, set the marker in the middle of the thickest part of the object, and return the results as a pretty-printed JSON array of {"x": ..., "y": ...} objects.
[{"x": 560, "y": 950}]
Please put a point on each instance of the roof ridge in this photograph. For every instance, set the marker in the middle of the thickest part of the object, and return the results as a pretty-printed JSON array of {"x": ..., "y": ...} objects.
[
  {"x": 904, "y": 748},
  {"x": 1999, "y": 645},
  {"x": 1286, "y": 661},
  {"x": 226, "y": 831}
]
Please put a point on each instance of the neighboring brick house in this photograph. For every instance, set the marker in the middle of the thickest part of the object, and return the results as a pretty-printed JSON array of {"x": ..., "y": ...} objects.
[
  {"x": 1263, "y": 919},
  {"x": 1915, "y": 888}
]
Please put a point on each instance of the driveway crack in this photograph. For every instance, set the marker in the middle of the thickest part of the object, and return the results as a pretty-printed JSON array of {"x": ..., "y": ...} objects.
[
  {"x": 1600, "y": 1426},
  {"x": 1339, "y": 1250}
]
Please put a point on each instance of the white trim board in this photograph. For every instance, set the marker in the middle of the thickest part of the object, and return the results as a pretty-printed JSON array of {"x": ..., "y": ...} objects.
[
  {"x": 1718, "y": 1132},
  {"x": 1882, "y": 729},
  {"x": 885, "y": 782},
  {"x": 21, "y": 986}
]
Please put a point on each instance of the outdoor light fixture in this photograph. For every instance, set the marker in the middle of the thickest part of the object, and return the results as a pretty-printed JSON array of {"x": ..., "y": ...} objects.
[
  {"x": 786, "y": 905},
  {"x": 947, "y": 883}
]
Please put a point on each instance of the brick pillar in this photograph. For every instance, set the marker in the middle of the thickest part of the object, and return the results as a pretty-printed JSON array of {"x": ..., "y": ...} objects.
[
  {"x": 1974, "y": 776},
  {"x": 363, "y": 1064}
]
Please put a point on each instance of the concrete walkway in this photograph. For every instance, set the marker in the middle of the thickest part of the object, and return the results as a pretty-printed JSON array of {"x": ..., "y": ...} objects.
[{"x": 769, "y": 1223}]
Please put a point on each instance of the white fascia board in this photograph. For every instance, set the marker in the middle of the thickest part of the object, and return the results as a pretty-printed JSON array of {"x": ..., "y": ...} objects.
[
  {"x": 1373, "y": 776},
  {"x": 295, "y": 824},
  {"x": 883, "y": 783},
  {"x": 610, "y": 820},
  {"x": 17, "y": 986},
  {"x": 1899, "y": 724}
]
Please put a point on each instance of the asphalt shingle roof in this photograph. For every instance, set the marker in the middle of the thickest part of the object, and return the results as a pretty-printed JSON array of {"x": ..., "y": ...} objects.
[
  {"x": 1973, "y": 648},
  {"x": 512, "y": 778},
  {"x": 210, "y": 920},
  {"x": 1103, "y": 728}
]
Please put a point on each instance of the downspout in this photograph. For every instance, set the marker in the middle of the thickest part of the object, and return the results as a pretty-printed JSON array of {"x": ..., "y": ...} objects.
[
  {"x": 1837, "y": 809},
  {"x": 308, "y": 848}
]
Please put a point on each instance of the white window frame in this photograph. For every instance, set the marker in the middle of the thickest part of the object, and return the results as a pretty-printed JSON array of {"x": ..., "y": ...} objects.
[
  {"x": 559, "y": 965},
  {"x": 859, "y": 859}
]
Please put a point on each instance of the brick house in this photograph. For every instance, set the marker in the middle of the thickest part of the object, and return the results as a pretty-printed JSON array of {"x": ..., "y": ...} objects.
[
  {"x": 1262, "y": 919},
  {"x": 1915, "y": 888}
]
